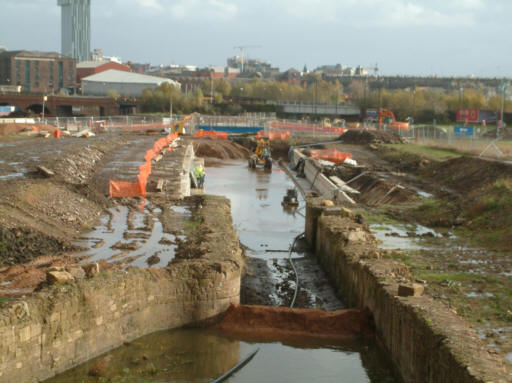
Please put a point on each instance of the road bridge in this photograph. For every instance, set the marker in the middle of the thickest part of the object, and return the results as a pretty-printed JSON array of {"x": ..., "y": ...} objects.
[
  {"x": 310, "y": 108},
  {"x": 63, "y": 105}
]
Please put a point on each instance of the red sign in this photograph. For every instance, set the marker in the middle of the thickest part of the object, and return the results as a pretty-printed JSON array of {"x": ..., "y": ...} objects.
[{"x": 467, "y": 115}]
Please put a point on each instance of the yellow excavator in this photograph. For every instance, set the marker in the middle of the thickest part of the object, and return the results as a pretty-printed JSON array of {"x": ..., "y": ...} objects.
[
  {"x": 261, "y": 155},
  {"x": 179, "y": 126}
]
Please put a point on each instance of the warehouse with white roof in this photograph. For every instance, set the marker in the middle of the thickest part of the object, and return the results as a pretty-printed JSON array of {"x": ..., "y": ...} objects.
[{"x": 125, "y": 83}]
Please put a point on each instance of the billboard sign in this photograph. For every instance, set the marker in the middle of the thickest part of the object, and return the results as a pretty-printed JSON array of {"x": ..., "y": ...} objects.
[
  {"x": 464, "y": 131},
  {"x": 476, "y": 115}
]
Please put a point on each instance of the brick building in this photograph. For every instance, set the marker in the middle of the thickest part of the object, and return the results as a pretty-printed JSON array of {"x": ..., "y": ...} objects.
[
  {"x": 88, "y": 68},
  {"x": 37, "y": 72}
]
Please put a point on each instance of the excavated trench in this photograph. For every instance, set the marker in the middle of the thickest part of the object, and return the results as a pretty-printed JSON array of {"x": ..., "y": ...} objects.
[{"x": 265, "y": 230}]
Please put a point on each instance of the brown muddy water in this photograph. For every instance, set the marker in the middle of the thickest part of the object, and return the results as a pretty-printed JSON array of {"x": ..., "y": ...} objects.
[
  {"x": 197, "y": 356},
  {"x": 201, "y": 355}
]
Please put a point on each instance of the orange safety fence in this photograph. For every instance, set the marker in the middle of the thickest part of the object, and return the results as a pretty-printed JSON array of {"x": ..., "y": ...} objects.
[
  {"x": 332, "y": 155},
  {"x": 281, "y": 135},
  {"x": 211, "y": 134},
  {"x": 138, "y": 189},
  {"x": 306, "y": 128}
]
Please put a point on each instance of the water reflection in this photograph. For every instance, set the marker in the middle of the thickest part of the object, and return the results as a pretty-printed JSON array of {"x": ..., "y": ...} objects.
[{"x": 192, "y": 355}]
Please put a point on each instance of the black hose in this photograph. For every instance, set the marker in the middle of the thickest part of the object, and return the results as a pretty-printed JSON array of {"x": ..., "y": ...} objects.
[
  {"x": 238, "y": 366},
  {"x": 294, "y": 269}
]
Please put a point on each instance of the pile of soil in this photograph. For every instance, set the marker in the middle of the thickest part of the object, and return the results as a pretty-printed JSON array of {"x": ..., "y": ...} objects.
[
  {"x": 222, "y": 149},
  {"x": 364, "y": 137},
  {"x": 279, "y": 322},
  {"x": 466, "y": 174},
  {"x": 6, "y": 129}
]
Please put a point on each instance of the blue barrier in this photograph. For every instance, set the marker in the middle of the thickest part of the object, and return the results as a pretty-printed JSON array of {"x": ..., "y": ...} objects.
[{"x": 230, "y": 129}]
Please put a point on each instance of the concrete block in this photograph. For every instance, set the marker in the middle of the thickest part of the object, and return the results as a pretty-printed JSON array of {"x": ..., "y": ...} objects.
[{"x": 411, "y": 290}]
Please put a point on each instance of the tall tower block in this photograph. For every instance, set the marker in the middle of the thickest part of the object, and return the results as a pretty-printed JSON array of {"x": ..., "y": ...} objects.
[{"x": 76, "y": 29}]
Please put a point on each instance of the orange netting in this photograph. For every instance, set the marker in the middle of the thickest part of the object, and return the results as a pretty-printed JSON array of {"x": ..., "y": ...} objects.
[
  {"x": 211, "y": 134},
  {"x": 138, "y": 189},
  {"x": 281, "y": 135},
  {"x": 332, "y": 155},
  {"x": 306, "y": 128}
]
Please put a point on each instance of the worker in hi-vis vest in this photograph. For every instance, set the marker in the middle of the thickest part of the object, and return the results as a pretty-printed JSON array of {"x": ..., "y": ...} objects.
[{"x": 199, "y": 173}]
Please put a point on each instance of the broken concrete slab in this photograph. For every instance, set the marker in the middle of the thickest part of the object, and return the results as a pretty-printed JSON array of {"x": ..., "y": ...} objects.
[{"x": 45, "y": 171}]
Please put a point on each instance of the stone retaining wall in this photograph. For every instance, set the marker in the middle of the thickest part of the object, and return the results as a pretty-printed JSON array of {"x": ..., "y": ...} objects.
[
  {"x": 427, "y": 341},
  {"x": 65, "y": 325}
]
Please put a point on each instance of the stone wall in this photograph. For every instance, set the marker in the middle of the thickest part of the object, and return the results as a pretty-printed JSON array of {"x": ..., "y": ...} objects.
[
  {"x": 67, "y": 324},
  {"x": 55, "y": 330},
  {"x": 427, "y": 341}
]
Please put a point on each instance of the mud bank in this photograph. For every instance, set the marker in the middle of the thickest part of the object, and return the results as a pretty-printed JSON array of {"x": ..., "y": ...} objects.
[
  {"x": 427, "y": 341},
  {"x": 65, "y": 325},
  {"x": 283, "y": 322}
]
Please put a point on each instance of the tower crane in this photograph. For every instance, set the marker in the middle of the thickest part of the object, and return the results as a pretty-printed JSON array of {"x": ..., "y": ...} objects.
[{"x": 242, "y": 49}]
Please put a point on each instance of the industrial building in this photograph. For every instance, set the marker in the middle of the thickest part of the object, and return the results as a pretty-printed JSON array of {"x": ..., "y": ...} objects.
[
  {"x": 121, "y": 82},
  {"x": 88, "y": 68},
  {"x": 76, "y": 29},
  {"x": 38, "y": 72}
]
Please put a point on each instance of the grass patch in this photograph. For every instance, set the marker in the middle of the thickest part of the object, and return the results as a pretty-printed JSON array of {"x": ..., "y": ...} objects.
[{"x": 428, "y": 152}]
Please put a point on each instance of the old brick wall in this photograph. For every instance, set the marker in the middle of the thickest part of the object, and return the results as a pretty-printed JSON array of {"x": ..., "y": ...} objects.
[
  {"x": 66, "y": 325},
  {"x": 426, "y": 340}
]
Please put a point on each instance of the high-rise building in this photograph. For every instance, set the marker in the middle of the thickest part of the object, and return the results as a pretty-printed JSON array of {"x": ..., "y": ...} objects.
[{"x": 76, "y": 29}]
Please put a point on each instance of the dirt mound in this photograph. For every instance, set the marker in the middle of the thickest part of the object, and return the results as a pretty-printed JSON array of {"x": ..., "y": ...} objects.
[
  {"x": 276, "y": 322},
  {"x": 364, "y": 137},
  {"x": 6, "y": 129},
  {"x": 222, "y": 149},
  {"x": 18, "y": 245},
  {"x": 465, "y": 174}
]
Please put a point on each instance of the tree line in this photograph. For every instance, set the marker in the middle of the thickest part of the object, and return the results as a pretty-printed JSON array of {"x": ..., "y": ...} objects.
[{"x": 423, "y": 105}]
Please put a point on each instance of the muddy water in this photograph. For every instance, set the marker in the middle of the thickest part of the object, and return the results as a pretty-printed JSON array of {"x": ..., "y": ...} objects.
[
  {"x": 122, "y": 228},
  {"x": 263, "y": 225},
  {"x": 267, "y": 230},
  {"x": 202, "y": 355}
]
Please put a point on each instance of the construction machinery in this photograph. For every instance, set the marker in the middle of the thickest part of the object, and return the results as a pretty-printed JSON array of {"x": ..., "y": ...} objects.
[
  {"x": 391, "y": 120},
  {"x": 179, "y": 126},
  {"x": 290, "y": 200},
  {"x": 261, "y": 155}
]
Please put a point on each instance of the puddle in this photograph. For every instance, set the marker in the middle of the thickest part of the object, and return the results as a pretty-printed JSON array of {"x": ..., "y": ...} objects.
[
  {"x": 424, "y": 194},
  {"x": 183, "y": 210},
  {"x": 197, "y": 356},
  {"x": 405, "y": 237},
  {"x": 12, "y": 176},
  {"x": 479, "y": 295},
  {"x": 154, "y": 244}
]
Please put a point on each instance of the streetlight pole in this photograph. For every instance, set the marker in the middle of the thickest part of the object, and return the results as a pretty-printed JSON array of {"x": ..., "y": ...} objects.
[
  {"x": 46, "y": 98},
  {"x": 503, "y": 88}
]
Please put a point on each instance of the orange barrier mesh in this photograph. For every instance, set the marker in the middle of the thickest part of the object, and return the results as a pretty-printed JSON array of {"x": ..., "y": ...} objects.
[
  {"x": 332, "y": 155},
  {"x": 282, "y": 135},
  {"x": 138, "y": 189},
  {"x": 211, "y": 134},
  {"x": 306, "y": 128},
  {"x": 125, "y": 189}
]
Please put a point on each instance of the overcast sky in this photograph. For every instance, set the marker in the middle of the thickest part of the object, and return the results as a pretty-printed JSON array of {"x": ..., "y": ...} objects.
[{"x": 423, "y": 37}]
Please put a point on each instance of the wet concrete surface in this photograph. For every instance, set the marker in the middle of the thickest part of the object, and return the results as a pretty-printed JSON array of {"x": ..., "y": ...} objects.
[
  {"x": 267, "y": 230},
  {"x": 197, "y": 356}
]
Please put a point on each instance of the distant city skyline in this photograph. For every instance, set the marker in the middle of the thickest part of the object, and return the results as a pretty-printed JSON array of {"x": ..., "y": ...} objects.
[{"x": 405, "y": 37}]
